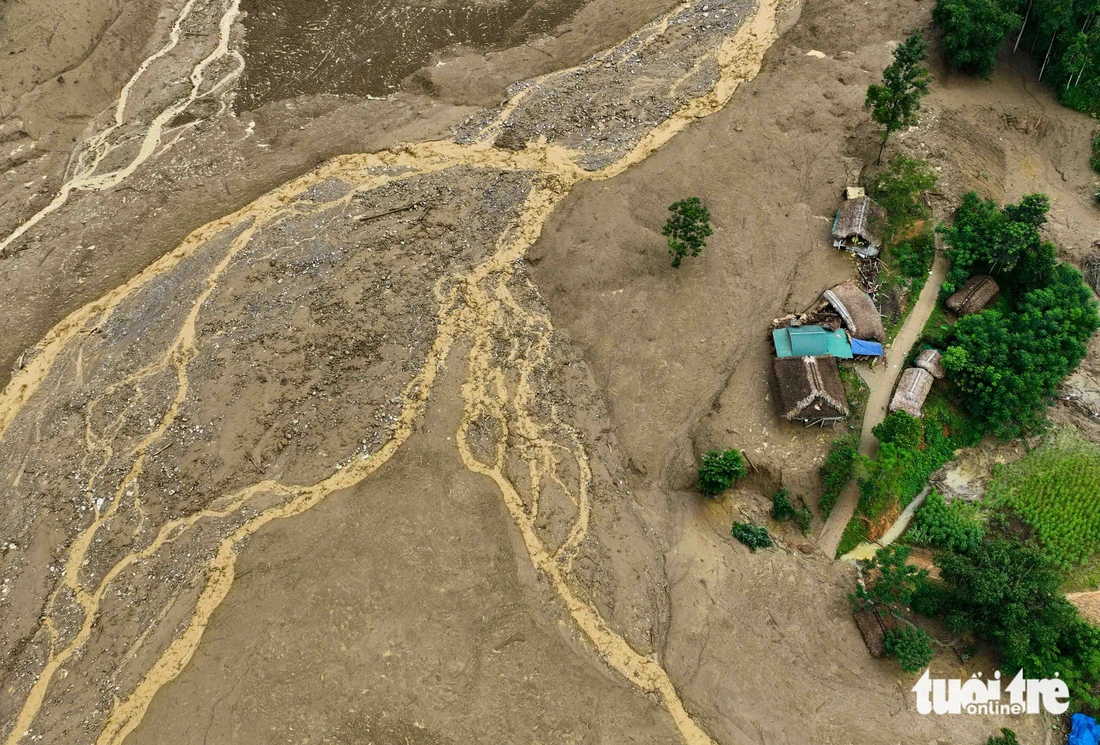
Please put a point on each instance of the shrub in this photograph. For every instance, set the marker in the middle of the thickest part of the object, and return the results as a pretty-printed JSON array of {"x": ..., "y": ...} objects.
[
  {"x": 912, "y": 648},
  {"x": 753, "y": 536},
  {"x": 782, "y": 509},
  {"x": 1007, "y": 737},
  {"x": 803, "y": 518},
  {"x": 943, "y": 525},
  {"x": 687, "y": 229},
  {"x": 718, "y": 471},
  {"x": 914, "y": 255},
  {"x": 1094, "y": 161},
  {"x": 837, "y": 470}
]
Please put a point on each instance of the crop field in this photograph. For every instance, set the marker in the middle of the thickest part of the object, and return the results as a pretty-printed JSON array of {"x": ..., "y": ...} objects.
[{"x": 1056, "y": 490}]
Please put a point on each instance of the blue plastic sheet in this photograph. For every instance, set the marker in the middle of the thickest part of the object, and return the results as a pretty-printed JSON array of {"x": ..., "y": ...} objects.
[
  {"x": 1085, "y": 731},
  {"x": 869, "y": 348}
]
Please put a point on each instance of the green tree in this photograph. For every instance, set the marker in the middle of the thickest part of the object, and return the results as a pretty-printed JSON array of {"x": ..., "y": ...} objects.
[
  {"x": 719, "y": 469},
  {"x": 896, "y": 102},
  {"x": 687, "y": 229},
  {"x": 973, "y": 32},
  {"x": 1009, "y": 595},
  {"x": 911, "y": 647},
  {"x": 989, "y": 240},
  {"x": 1008, "y": 365},
  {"x": 896, "y": 581},
  {"x": 898, "y": 189}
]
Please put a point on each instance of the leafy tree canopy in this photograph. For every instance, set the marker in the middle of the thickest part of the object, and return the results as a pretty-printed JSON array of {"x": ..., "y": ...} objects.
[
  {"x": 719, "y": 469},
  {"x": 985, "y": 239},
  {"x": 1008, "y": 594},
  {"x": 1008, "y": 364},
  {"x": 911, "y": 647},
  {"x": 895, "y": 103},
  {"x": 973, "y": 32},
  {"x": 687, "y": 229}
]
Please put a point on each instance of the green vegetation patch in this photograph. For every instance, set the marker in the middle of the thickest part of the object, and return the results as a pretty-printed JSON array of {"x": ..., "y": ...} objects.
[
  {"x": 1094, "y": 160},
  {"x": 837, "y": 471},
  {"x": 938, "y": 524},
  {"x": 1056, "y": 490},
  {"x": 718, "y": 471},
  {"x": 911, "y": 647},
  {"x": 753, "y": 536}
]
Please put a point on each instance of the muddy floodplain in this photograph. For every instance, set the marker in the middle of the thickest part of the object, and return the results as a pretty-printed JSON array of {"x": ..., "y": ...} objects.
[{"x": 297, "y": 47}]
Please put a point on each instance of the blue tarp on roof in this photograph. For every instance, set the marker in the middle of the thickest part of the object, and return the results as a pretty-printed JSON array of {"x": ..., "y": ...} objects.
[
  {"x": 811, "y": 341},
  {"x": 869, "y": 348},
  {"x": 1085, "y": 731}
]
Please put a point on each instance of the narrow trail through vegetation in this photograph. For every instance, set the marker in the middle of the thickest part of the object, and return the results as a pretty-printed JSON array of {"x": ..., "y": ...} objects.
[{"x": 881, "y": 381}]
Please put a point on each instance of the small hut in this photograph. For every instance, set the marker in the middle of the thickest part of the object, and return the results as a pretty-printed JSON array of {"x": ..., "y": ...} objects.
[
  {"x": 810, "y": 389},
  {"x": 858, "y": 226},
  {"x": 912, "y": 390},
  {"x": 857, "y": 310},
  {"x": 973, "y": 296},
  {"x": 931, "y": 360}
]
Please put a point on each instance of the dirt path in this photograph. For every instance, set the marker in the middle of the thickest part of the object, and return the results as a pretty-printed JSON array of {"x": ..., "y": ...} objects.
[{"x": 881, "y": 382}]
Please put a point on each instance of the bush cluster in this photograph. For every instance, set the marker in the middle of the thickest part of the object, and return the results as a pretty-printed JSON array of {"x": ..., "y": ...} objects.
[
  {"x": 911, "y": 647},
  {"x": 783, "y": 509},
  {"x": 942, "y": 525},
  {"x": 753, "y": 536},
  {"x": 838, "y": 469},
  {"x": 719, "y": 469}
]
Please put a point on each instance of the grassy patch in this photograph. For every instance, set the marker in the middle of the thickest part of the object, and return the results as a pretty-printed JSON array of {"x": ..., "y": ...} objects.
[
  {"x": 855, "y": 533},
  {"x": 857, "y": 392},
  {"x": 906, "y": 263}
]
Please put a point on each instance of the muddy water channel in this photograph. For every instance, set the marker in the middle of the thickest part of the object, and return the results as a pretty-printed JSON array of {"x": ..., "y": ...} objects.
[{"x": 299, "y": 47}]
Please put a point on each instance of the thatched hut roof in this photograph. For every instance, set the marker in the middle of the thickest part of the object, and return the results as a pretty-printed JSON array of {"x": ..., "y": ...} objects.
[
  {"x": 857, "y": 310},
  {"x": 974, "y": 295},
  {"x": 912, "y": 390},
  {"x": 860, "y": 220},
  {"x": 931, "y": 360},
  {"x": 810, "y": 388}
]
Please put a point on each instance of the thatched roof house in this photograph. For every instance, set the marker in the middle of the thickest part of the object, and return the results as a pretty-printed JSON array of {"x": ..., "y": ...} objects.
[
  {"x": 858, "y": 226},
  {"x": 912, "y": 390},
  {"x": 931, "y": 360},
  {"x": 858, "y": 311},
  {"x": 810, "y": 389},
  {"x": 973, "y": 296}
]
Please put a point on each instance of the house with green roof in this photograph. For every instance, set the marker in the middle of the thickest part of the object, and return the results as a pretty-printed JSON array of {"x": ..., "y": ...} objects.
[{"x": 811, "y": 341}]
